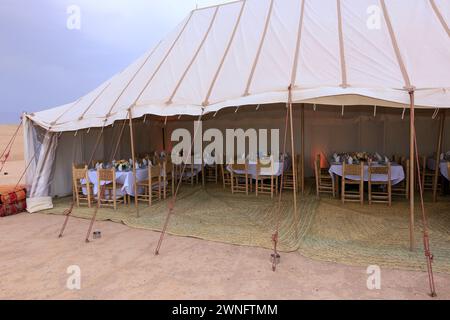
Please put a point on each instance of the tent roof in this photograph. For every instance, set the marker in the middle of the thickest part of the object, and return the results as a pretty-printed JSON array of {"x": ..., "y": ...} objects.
[{"x": 348, "y": 52}]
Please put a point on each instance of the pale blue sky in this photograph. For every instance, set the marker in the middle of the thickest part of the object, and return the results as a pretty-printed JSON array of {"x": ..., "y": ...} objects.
[{"x": 44, "y": 64}]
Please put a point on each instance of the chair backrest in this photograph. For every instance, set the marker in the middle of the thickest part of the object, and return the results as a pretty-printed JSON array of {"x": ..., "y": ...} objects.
[
  {"x": 154, "y": 171},
  {"x": 352, "y": 169},
  {"x": 106, "y": 174},
  {"x": 79, "y": 172},
  {"x": 239, "y": 166},
  {"x": 168, "y": 166},
  {"x": 317, "y": 167},
  {"x": 380, "y": 169}
]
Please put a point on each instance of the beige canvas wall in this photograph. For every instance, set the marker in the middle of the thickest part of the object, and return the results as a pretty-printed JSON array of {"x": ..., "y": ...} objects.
[{"x": 326, "y": 131}]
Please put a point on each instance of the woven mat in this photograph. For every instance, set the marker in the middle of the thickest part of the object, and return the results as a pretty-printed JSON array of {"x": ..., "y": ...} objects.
[
  {"x": 213, "y": 214},
  {"x": 325, "y": 229}
]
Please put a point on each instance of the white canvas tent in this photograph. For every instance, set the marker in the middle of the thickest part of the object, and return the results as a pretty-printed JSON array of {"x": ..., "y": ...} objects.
[{"x": 338, "y": 52}]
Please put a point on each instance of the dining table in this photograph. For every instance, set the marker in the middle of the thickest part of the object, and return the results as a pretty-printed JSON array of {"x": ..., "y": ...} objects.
[
  {"x": 277, "y": 170},
  {"x": 124, "y": 177},
  {"x": 397, "y": 173},
  {"x": 443, "y": 167}
]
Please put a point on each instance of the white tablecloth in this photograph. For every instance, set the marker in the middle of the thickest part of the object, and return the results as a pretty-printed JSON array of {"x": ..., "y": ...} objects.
[
  {"x": 397, "y": 173},
  {"x": 277, "y": 170},
  {"x": 443, "y": 168},
  {"x": 125, "y": 178}
]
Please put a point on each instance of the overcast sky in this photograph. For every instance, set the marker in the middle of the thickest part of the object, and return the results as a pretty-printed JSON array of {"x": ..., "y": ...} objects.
[{"x": 44, "y": 64}]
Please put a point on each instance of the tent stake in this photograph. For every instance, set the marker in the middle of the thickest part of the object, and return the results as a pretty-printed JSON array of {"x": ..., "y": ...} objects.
[
  {"x": 438, "y": 155},
  {"x": 134, "y": 163}
]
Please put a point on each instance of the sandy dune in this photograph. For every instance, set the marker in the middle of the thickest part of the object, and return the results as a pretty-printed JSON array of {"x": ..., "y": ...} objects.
[{"x": 15, "y": 164}]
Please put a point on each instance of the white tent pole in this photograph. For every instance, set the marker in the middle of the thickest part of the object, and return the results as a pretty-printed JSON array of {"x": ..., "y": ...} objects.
[
  {"x": 344, "y": 83},
  {"x": 258, "y": 53},
  {"x": 440, "y": 17},
  {"x": 219, "y": 68}
]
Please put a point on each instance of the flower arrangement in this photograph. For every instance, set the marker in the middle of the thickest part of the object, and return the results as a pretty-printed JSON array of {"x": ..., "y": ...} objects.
[
  {"x": 122, "y": 165},
  {"x": 356, "y": 157}
]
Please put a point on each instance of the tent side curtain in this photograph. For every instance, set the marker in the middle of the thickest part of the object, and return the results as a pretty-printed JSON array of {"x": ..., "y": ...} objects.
[{"x": 40, "y": 151}]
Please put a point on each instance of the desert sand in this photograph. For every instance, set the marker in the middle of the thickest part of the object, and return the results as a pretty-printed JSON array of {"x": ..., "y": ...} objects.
[
  {"x": 15, "y": 165},
  {"x": 121, "y": 265}
]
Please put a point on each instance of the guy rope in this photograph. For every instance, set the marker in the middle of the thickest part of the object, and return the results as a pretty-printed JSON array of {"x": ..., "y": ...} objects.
[
  {"x": 6, "y": 153},
  {"x": 275, "y": 256},
  {"x": 426, "y": 239},
  {"x": 171, "y": 205}
]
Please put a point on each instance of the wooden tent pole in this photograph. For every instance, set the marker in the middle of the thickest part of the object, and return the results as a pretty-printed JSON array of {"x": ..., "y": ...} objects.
[
  {"x": 411, "y": 171},
  {"x": 294, "y": 165},
  {"x": 302, "y": 160},
  {"x": 134, "y": 163},
  {"x": 164, "y": 138},
  {"x": 437, "y": 157}
]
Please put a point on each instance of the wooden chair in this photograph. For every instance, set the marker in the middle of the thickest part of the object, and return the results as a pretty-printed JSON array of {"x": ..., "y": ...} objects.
[
  {"x": 356, "y": 170},
  {"x": 426, "y": 175},
  {"x": 239, "y": 181},
  {"x": 108, "y": 176},
  {"x": 324, "y": 181},
  {"x": 190, "y": 174},
  {"x": 380, "y": 196},
  {"x": 168, "y": 178},
  {"x": 211, "y": 173},
  {"x": 266, "y": 171},
  {"x": 226, "y": 176},
  {"x": 151, "y": 186},
  {"x": 288, "y": 176},
  {"x": 79, "y": 173},
  {"x": 402, "y": 188}
]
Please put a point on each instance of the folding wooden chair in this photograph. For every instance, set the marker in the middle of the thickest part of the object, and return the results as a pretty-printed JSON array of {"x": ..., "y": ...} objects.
[
  {"x": 239, "y": 181},
  {"x": 151, "y": 186},
  {"x": 211, "y": 173},
  {"x": 110, "y": 187},
  {"x": 226, "y": 176},
  {"x": 168, "y": 178},
  {"x": 380, "y": 196},
  {"x": 288, "y": 176},
  {"x": 402, "y": 188},
  {"x": 79, "y": 174},
  {"x": 266, "y": 180},
  {"x": 356, "y": 170},
  {"x": 426, "y": 175},
  {"x": 324, "y": 181}
]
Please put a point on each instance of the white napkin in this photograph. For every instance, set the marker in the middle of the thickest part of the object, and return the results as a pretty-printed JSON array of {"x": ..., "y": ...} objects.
[
  {"x": 350, "y": 160},
  {"x": 442, "y": 156},
  {"x": 386, "y": 159},
  {"x": 145, "y": 162},
  {"x": 377, "y": 155}
]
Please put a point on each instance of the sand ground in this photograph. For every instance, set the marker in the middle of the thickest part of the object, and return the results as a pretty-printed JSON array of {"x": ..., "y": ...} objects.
[
  {"x": 121, "y": 265},
  {"x": 15, "y": 165}
]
